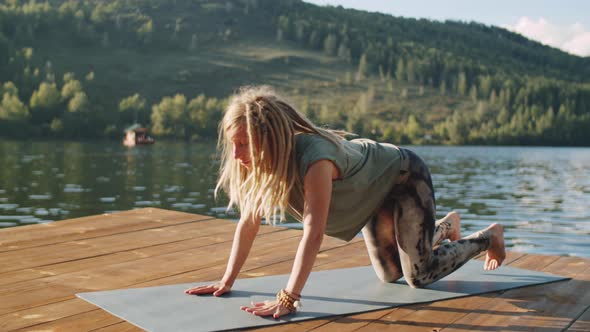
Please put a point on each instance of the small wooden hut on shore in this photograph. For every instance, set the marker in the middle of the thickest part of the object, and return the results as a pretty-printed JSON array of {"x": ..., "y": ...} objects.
[{"x": 137, "y": 135}]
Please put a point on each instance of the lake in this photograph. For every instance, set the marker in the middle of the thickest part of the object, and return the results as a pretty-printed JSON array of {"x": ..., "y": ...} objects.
[{"x": 540, "y": 194}]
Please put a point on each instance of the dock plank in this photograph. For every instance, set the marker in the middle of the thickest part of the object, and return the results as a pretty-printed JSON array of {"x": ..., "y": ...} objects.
[
  {"x": 140, "y": 243},
  {"x": 331, "y": 251},
  {"x": 89, "y": 247},
  {"x": 38, "y": 315},
  {"x": 42, "y": 267},
  {"x": 21, "y": 237},
  {"x": 551, "y": 306},
  {"x": 113, "y": 276},
  {"x": 87, "y": 321}
]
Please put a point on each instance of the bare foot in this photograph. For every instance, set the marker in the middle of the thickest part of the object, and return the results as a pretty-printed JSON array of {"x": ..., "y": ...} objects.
[
  {"x": 496, "y": 253},
  {"x": 454, "y": 219}
]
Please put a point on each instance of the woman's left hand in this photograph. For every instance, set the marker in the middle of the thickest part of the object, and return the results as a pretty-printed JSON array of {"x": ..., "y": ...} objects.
[{"x": 267, "y": 308}]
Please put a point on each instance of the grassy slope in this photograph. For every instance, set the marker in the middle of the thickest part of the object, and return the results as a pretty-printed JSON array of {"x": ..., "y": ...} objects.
[
  {"x": 216, "y": 68},
  {"x": 218, "y": 71}
]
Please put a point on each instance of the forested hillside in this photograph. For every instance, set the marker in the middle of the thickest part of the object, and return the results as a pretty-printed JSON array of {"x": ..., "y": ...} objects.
[{"x": 88, "y": 69}]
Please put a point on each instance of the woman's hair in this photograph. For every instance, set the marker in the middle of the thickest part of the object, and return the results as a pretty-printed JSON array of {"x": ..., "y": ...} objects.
[{"x": 271, "y": 124}]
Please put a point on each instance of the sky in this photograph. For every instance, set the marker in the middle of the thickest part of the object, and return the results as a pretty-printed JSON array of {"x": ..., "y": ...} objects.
[{"x": 564, "y": 24}]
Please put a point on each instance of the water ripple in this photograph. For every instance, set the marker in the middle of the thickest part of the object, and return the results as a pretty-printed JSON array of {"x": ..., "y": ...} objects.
[{"x": 539, "y": 194}]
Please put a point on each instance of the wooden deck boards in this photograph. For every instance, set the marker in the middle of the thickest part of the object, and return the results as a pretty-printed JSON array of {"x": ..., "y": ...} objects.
[{"x": 43, "y": 266}]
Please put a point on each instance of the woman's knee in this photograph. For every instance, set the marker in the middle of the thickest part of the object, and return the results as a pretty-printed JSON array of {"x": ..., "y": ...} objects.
[
  {"x": 388, "y": 276},
  {"x": 424, "y": 272}
]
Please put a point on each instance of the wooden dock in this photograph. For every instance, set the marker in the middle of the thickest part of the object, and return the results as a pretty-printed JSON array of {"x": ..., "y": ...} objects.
[{"x": 43, "y": 266}]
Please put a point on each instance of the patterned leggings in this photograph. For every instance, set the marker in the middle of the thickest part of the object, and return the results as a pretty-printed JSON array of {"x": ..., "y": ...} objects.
[{"x": 401, "y": 237}]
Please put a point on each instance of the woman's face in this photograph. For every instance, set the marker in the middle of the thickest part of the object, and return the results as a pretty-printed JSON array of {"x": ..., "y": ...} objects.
[{"x": 241, "y": 145}]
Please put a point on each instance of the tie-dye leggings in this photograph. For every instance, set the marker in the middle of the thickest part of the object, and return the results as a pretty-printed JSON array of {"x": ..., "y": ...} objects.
[{"x": 401, "y": 237}]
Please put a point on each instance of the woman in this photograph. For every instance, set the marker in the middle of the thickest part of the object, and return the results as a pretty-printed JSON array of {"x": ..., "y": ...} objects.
[{"x": 275, "y": 161}]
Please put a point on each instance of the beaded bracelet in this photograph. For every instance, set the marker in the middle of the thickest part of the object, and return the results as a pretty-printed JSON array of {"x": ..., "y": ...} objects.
[{"x": 289, "y": 301}]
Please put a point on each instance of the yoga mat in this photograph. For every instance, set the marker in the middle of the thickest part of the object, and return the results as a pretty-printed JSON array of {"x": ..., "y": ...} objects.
[{"x": 327, "y": 293}]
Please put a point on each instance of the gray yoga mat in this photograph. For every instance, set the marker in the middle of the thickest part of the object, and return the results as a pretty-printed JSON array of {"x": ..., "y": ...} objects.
[{"x": 327, "y": 293}]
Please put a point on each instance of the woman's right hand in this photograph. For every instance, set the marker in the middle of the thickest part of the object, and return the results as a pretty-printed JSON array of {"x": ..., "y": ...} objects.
[{"x": 217, "y": 289}]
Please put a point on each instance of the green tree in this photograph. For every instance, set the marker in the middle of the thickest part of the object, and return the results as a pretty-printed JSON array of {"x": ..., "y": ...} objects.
[
  {"x": 300, "y": 31},
  {"x": 458, "y": 128},
  {"x": 145, "y": 31},
  {"x": 169, "y": 117},
  {"x": 381, "y": 73},
  {"x": 442, "y": 89},
  {"x": 56, "y": 126},
  {"x": 473, "y": 93},
  {"x": 400, "y": 71},
  {"x": 45, "y": 103},
  {"x": 441, "y": 130},
  {"x": 100, "y": 14},
  {"x": 355, "y": 124},
  {"x": 493, "y": 97},
  {"x": 177, "y": 27},
  {"x": 481, "y": 112},
  {"x": 545, "y": 122},
  {"x": 68, "y": 77},
  {"x": 284, "y": 28},
  {"x": 78, "y": 103},
  {"x": 462, "y": 84},
  {"x": 363, "y": 68},
  {"x": 68, "y": 9},
  {"x": 362, "y": 104},
  {"x": 503, "y": 117},
  {"x": 518, "y": 122},
  {"x": 404, "y": 93},
  {"x": 9, "y": 88},
  {"x": 70, "y": 88},
  {"x": 348, "y": 78},
  {"x": 205, "y": 114},
  {"x": 389, "y": 85},
  {"x": 413, "y": 129},
  {"x": 330, "y": 44},
  {"x": 199, "y": 118},
  {"x": 485, "y": 86},
  {"x": 90, "y": 76},
  {"x": 391, "y": 133},
  {"x": 132, "y": 108},
  {"x": 307, "y": 110},
  {"x": 314, "y": 39},
  {"x": 410, "y": 71},
  {"x": 344, "y": 52},
  {"x": 27, "y": 53},
  {"x": 80, "y": 16},
  {"x": 12, "y": 108}
]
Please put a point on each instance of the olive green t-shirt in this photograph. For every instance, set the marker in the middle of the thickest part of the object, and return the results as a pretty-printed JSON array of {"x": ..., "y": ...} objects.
[{"x": 368, "y": 171}]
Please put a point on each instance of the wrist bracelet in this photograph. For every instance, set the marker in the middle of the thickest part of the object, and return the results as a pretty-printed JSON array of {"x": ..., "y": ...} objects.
[{"x": 289, "y": 301}]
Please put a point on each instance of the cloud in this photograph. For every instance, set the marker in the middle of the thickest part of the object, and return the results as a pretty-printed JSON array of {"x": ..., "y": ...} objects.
[{"x": 573, "y": 38}]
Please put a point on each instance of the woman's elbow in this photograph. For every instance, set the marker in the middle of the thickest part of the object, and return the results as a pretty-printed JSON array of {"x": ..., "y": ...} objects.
[
  {"x": 314, "y": 235},
  {"x": 249, "y": 226}
]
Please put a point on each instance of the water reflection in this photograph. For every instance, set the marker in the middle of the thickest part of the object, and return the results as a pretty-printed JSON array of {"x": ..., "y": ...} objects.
[{"x": 540, "y": 194}]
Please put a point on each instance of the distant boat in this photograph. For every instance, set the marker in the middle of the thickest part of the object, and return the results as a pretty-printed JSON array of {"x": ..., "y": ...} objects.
[{"x": 137, "y": 135}]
